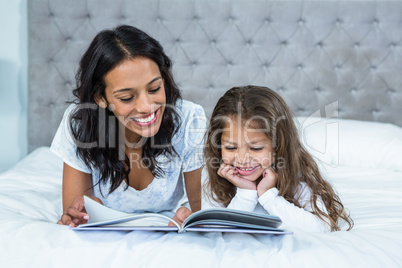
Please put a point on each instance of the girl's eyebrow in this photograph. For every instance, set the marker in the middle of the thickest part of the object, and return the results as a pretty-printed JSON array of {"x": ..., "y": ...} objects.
[
  {"x": 128, "y": 89},
  {"x": 228, "y": 141},
  {"x": 257, "y": 141},
  {"x": 250, "y": 142}
]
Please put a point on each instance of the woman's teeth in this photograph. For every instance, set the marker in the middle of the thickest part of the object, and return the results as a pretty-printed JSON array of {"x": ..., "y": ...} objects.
[{"x": 146, "y": 119}]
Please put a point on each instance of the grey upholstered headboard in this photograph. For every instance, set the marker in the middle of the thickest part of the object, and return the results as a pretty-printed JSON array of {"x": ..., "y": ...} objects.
[{"x": 341, "y": 55}]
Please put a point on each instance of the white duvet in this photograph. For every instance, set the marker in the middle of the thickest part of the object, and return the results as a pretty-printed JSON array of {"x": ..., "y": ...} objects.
[{"x": 30, "y": 205}]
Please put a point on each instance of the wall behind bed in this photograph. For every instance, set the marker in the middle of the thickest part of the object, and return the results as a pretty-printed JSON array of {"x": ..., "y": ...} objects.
[
  {"x": 13, "y": 82},
  {"x": 340, "y": 57}
]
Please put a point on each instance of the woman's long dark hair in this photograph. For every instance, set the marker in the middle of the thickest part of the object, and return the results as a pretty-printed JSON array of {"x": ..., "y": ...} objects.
[{"x": 95, "y": 129}]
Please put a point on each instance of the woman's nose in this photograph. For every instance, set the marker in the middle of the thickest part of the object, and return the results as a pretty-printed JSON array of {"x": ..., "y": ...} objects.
[{"x": 143, "y": 105}]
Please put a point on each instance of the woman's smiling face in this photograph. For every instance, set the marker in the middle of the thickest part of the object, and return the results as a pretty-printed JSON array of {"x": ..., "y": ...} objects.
[
  {"x": 247, "y": 149},
  {"x": 135, "y": 93}
]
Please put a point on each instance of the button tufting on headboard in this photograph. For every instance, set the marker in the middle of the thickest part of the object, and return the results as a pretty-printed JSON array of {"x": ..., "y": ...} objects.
[{"x": 314, "y": 53}]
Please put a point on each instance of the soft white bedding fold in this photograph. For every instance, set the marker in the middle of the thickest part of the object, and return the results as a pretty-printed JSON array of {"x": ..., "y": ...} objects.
[{"x": 30, "y": 204}]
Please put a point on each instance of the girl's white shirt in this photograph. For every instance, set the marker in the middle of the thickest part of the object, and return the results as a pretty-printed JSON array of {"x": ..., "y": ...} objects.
[
  {"x": 164, "y": 193},
  {"x": 270, "y": 202}
]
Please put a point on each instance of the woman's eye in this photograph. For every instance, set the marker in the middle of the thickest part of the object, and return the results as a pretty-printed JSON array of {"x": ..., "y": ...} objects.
[
  {"x": 126, "y": 99},
  {"x": 154, "y": 90}
]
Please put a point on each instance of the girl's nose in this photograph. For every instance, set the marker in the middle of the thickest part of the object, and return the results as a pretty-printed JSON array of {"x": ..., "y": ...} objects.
[{"x": 242, "y": 157}]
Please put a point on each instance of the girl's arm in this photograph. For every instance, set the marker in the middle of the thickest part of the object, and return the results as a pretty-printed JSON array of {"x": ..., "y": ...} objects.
[
  {"x": 292, "y": 215},
  {"x": 246, "y": 193},
  {"x": 192, "y": 181},
  {"x": 76, "y": 184},
  {"x": 244, "y": 199}
]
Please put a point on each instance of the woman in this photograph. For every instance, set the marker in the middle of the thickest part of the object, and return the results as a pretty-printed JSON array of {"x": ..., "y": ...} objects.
[{"x": 129, "y": 137}]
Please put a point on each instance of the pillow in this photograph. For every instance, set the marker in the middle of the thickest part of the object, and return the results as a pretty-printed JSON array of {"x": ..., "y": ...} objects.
[{"x": 352, "y": 143}]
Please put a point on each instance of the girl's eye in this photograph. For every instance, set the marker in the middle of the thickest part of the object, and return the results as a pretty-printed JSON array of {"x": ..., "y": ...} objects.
[
  {"x": 230, "y": 148},
  {"x": 154, "y": 90},
  {"x": 126, "y": 99},
  {"x": 257, "y": 148}
]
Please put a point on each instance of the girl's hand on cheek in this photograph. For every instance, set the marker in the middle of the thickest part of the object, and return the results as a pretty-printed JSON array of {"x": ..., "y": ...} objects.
[
  {"x": 268, "y": 181},
  {"x": 229, "y": 172}
]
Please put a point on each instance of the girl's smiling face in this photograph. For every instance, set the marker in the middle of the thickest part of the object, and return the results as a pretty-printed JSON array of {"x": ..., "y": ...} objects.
[
  {"x": 135, "y": 93},
  {"x": 247, "y": 149}
]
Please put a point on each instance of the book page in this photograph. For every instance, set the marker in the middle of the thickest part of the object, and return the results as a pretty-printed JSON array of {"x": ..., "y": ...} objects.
[
  {"x": 233, "y": 218},
  {"x": 223, "y": 229},
  {"x": 100, "y": 215}
]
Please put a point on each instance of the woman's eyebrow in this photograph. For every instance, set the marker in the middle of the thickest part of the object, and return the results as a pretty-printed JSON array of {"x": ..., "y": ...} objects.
[
  {"x": 121, "y": 90},
  {"x": 155, "y": 79},
  {"x": 127, "y": 89}
]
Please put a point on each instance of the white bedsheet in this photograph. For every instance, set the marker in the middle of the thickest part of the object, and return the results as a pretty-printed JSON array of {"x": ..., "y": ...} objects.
[{"x": 30, "y": 205}]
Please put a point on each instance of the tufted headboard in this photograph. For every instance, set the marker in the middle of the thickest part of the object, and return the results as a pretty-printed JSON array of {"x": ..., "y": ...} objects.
[{"x": 340, "y": 58}]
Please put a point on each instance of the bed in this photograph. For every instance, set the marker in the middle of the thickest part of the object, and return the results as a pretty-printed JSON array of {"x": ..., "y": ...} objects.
[{"x": 336, "y": 63}]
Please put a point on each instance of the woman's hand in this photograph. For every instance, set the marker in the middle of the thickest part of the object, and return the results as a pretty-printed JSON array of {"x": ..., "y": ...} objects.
[
  {"x": 75, "y": 214},
  {"x": 268, "y": 181},
  {"x": 229, "y": 172},
  {"x": 180, "y": 216}
]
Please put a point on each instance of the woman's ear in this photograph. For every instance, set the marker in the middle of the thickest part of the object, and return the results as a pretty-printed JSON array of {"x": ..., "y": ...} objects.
[{"x": 101, "y": 102}]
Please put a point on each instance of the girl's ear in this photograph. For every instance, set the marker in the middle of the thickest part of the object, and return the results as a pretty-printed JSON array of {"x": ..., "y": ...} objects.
[{"x": 101, "y": 102}]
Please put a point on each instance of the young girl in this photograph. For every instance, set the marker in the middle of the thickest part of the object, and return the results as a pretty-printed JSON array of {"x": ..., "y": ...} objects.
[
  {"x": 255, "y": 162},
  {"x": 129, "y": 137}
]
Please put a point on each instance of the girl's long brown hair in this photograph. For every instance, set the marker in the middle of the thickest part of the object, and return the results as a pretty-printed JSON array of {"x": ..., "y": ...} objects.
[{"x": 293, "y": 163}]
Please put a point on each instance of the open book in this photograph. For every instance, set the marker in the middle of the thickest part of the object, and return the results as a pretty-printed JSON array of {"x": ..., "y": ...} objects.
[{"x": 208, "y": 220}]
